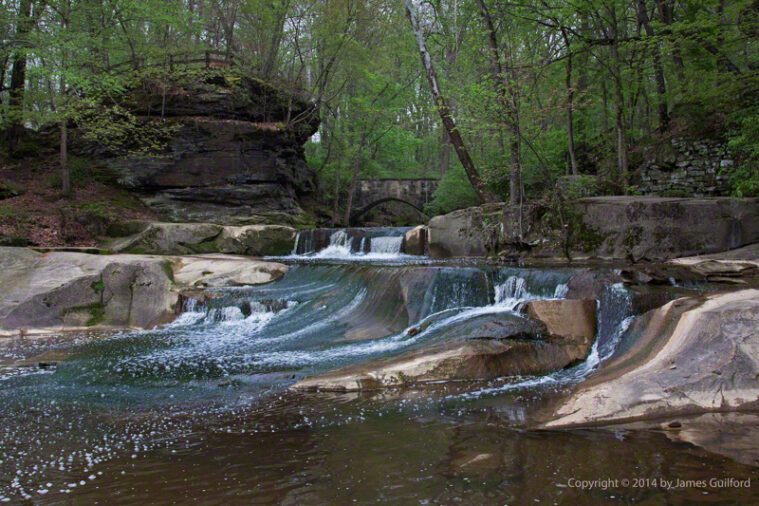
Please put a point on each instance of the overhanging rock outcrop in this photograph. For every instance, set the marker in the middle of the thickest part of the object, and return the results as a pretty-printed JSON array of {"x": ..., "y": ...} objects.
[{"x": 235, "y": 155}]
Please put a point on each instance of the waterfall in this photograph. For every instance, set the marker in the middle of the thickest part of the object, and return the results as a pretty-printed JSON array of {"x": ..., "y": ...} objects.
[
  {"x": 340, "y": 246},
  {"x": 386, "y": 244},
  {"x": 380, "y": 243},
  {"x": 295, "y": 246}
]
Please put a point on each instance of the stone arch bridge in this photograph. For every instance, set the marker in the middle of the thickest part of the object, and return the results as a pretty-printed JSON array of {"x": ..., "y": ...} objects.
[{"x": 373, "y": 192}]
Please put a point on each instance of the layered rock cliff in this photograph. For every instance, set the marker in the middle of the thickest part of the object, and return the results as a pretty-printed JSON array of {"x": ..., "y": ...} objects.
[{"x": 235, "y": 153}]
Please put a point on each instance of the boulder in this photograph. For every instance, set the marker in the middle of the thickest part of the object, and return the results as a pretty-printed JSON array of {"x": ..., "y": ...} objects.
[
  {"x": 503, "y": 345},
  {"x": 257, "y": 240},
  {"x": 415, "y": 241},
  {"x": 717, "y": 268},
  {"x": 590, "y": 283},
  {"x": 616, "y": 228},
  {"x": 573, "y": 319},
  {"x": 658, "y": 228},
  {"x": 471, "y": 232},
  {"x": 690, "y": 356},
  {"x": 172, "y": 239},
  {"x": 64, "y": 290},
  {"x": 193, "y": 238}
]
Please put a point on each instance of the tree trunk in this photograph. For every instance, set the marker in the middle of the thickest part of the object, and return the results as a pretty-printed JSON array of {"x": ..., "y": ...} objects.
[
  {"x": 445, "y": 150},
  {"x": 355, "y": 172},
  {"x": 61, "y": 109},
  {"x": 445, "y": 153},
  {"x": 509, "y": 105},
  {"x": 336, "y": 202},
  {"x": 661, "y": 85},
  {"x": 667, "y": 15},
  {"x": 619, "y": 102},
  {"x": 18, "y": 79},
  {"x": 64, "y": 159},
  {"x": 482, "y": 192},
  {"x": 570, "y": 106}
]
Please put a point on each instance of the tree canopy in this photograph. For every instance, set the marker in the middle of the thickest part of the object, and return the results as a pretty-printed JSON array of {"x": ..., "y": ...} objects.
[{"x": 534, "y": 90}]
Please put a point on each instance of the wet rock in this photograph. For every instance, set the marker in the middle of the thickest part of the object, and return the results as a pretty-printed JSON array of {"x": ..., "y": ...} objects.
[
  {"x": 59, "y": 290},
  {"x": 415, "y": 241},
  {"x": 697, "y": 337},
  {"x": 216, "y": 271},
  {"x": 257, "y": 240},
  {"x": 414, "y": 287},
  {"x": 504, "y": 345},
  {"x": 730, "y": 434},
  {"x": 194, "y": 238},
  {"x": 573, "y": 319},
  {"x": 590, "y": 283}
]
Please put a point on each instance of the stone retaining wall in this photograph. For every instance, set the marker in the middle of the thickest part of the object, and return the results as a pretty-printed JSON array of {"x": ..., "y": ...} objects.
[{"x": 686, "y": 167}]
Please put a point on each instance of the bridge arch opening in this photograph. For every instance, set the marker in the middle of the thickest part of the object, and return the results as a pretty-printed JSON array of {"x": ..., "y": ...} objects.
[{"x": 361, "y": 212}]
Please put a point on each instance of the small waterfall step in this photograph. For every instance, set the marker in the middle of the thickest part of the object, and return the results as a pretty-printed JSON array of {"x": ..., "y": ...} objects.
[{"x": 385, "y": 242}]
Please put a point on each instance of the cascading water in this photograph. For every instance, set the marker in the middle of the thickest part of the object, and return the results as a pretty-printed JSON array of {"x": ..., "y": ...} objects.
[
  {"x": 239, "y": 346},
  {"x": 350, "y": 244},
  {"x": 614, "y": 316},
  {"x": 387, "y": 245}
]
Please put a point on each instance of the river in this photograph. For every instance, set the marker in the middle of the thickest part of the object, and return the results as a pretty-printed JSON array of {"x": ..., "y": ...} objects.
[{"x": 200, "y": 410}]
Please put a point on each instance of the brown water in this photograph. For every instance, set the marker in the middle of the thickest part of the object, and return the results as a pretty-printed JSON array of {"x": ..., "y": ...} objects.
[{"x": 418, "y": 455}]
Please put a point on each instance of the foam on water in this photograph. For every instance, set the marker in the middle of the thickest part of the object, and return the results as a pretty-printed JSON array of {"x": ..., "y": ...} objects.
[
  {"x": 343, "y": 247},
  {"x": 248, "y": 336},
  {"x": 602, "y": 349}
]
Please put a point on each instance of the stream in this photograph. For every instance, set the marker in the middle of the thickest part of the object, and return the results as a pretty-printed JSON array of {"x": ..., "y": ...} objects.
[{"x": 200, "y": 410}]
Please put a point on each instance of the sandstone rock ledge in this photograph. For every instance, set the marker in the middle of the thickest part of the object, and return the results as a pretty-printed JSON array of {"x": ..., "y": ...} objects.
[
  {"x": 64, "y": 290},
  {"x": 688, "y": 357},
  {"x": 192, "y": 238},
  {"x": 500, "y": 346}
]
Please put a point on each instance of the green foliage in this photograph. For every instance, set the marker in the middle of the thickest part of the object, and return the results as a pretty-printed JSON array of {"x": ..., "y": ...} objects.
[
  {"x": 98, "y": 286},
  {"x": 576, "y": 187},
  {"x": 115, "y": 131},
  {"x": 454, "y": 192},
  {"x": 358, "y": 61},
  {"x": 9, "y": 190},
  {"x": 97, "y": 314},
  {"x": 83, "y": 171},
  {"x": 7, "y": 211},
  {"x": 745, "y": 179},
  {"x": 167, "y": 269},
  {"x": 744, "y": 144}
]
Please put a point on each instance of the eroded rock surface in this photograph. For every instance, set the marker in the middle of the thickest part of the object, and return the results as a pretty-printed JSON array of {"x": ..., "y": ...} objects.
[
  {"x": 194, "y": 238},
  {"x": 483, "y": 348},
  {"x": 415, "y": 241},
  {"x": 689, "y": 356},
  {"x": 59, "y": 290}
]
